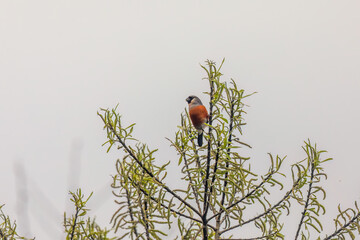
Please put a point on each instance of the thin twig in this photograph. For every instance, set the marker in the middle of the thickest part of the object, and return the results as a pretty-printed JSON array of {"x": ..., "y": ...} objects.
[
  {"x": 190, "y": 180},
  {"x": 131, "y": 212},
  {"x": 206, "y": 202},
  {"x": 145, "y": 219},
  {"x": 307, "y": 199},
  {"x": 74, "y": 225},
  {"x": 2, "y": 235},
  {"x": 186, "y": 236},
  {"x": 343, "y": 227},
  {"x": 218, "y": 221},
  {"x": 255, "y": 238},
  {"x": 215, "y": 169}
]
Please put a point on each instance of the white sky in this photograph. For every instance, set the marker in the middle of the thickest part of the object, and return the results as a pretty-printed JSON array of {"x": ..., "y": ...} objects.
[{"x": 60, "y": 61}]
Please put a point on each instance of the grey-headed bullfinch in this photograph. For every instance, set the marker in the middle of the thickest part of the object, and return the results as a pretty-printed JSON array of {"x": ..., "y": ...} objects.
[{"x": 198, "y": 115}]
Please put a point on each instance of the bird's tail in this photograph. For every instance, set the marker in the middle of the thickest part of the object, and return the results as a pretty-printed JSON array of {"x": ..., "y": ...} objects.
[{"x": 200, "y": 139}]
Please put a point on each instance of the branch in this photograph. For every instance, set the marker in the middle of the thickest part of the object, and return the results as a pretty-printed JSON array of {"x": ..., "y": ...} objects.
[
  {"x": 343, "y": 227},
  {"x": 147, "y": 170},
  {"x": 307, "y": 199},
  {"x": 206, "y": 193},
  {"x": 206, "y": 204},
  {"x": 243, "y": 198},
  {"x": 255, "y": 238},
  {"x": 191, "y": 182},
  {"x": 74, "y": 225},
  {"x": 227, "y": 163},
  {"x": 2, "y": 235},
  {"x": 131, "y": 212},
  {"x": 145, "y": 219},
  {"x": 181, "y": 151},
  {"x": 215, "y": 169},
  {"x": 267, "y": 211},
  {"x": 167, "y": 207}
]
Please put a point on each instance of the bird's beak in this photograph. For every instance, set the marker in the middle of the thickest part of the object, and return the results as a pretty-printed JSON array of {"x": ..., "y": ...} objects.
[{"x": 188, "y": 100}]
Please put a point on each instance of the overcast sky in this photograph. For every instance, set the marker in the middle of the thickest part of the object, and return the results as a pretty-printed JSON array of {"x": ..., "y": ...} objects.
[{"x": 60, "y": 61}]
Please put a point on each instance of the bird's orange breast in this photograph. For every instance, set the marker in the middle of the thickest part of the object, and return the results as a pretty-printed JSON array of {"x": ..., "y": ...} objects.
[{"x": 198, "y": 116}]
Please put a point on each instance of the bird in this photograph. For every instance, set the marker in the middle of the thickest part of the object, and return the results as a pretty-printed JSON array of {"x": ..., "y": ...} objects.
[{"x": 198, "y": 115}]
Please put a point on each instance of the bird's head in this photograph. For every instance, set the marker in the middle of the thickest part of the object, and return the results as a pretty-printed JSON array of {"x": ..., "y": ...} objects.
[{"x": 193, "y": 100}]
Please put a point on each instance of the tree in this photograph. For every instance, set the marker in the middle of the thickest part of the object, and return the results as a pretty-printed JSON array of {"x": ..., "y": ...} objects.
[
  {"x": 221, "y": 191},
  {"x": 220, "y": 185}
]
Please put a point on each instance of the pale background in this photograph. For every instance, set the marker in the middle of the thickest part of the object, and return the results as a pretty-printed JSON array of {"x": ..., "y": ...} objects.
[{"x": 60, "y": 61}]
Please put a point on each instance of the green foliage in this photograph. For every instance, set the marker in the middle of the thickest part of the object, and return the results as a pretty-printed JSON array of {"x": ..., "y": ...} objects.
[
  {"x": 346, "y": 223},
  {"x": 144, "y": 202},
  {"x": 311, "y": 176},
  {"x": 221, "y": 198},
  {"x": 221, "y": 187},
  {"x": 80, "y": 227},
  {"x": 8, "y": 227}
]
